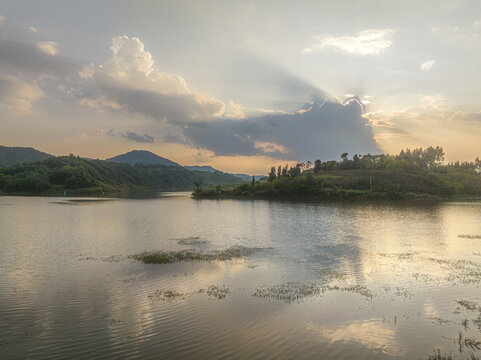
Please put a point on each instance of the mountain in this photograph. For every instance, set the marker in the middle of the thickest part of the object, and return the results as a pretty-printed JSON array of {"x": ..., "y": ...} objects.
[
  {"x": 141, "y": 157},
  {"x": 203, "y": 168},
  {"x": 76, "y": 175},
  {"x": 17, "y": 155}
]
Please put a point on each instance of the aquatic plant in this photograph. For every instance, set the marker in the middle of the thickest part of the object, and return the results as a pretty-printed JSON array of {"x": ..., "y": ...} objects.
[
  {"x": 168, "y": 257},
  {"x": 167, "y": 295},
  {"x": 191, "y": 240},
  {"x": 216, "y": 291}
]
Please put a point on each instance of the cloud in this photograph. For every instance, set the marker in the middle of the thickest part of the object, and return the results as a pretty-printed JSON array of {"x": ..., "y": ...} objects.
[
  {"x": 33, "y": 29},
  {"x": 17, "y": 95},
  {"x": 138, "y": 138},
  {"x": 30, "y": 58},
  {"x": 235, "y": 111},
  {"x": 433, "y": 122},
  {"x": 427, "y": 65},
  {"x": 130, "y": 80},
  {"x": 48, "y": 47},
  {"x": 2, "y": 19},
  {"x": 367, "y": 42},
  {"x": 316, "y": 131}
]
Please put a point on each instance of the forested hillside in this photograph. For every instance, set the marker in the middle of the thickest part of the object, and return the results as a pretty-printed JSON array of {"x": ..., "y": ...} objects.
[
  {"x": 416, "y": 173},
  {"x": 76, "y": 175},
  {"x": 17, "y": 155}
]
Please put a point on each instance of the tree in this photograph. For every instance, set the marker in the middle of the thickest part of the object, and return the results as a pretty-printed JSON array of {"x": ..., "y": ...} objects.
[
  {"x": 317, "y": 166},
  {"x": 344, "y": 156},
  {"x": 279, "y": 172},
  {"x": 272, "y": 174}
]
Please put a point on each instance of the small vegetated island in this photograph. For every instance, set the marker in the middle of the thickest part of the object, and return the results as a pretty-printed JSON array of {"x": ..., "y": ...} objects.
[{"x": 412, "y": 174}]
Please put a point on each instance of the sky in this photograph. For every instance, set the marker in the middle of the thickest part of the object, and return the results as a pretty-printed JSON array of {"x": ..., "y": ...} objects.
[{"x": 241, "y": 85}]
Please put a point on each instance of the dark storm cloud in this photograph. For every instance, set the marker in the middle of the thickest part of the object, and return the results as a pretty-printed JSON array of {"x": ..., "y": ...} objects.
[{"x": 319, "y": 131}]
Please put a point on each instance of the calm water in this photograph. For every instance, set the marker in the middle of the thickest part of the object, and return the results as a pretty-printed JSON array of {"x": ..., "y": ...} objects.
[{"x": 331, "y": 281}]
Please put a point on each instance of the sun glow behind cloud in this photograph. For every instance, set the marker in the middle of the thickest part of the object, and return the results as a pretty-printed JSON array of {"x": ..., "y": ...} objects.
[{"x": 367, "y": 42}]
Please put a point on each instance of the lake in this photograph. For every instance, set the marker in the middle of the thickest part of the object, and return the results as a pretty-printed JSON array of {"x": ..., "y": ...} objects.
[{"x": 327, "y": 281}]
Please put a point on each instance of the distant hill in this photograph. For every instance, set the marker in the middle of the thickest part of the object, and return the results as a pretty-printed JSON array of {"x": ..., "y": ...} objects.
[
  {"x": 17, "y": 155},
  {"x": 245, "y": 177},
  {"x": 93, "y": 177},
  {"x": 141, "y": 157},
  {"x": 204, "y": 168}
]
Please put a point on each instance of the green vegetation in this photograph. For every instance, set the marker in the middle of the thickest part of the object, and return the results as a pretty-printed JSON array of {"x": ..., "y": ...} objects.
[
  {"x": 215, "y": 291},
  {"x": 167, "y": 295},
  {"x": 77, "y": 176},
  {"x": 410, "y": 174},
  {"x": 168, "y": 257},
  {"x": 16, "y": 155}
]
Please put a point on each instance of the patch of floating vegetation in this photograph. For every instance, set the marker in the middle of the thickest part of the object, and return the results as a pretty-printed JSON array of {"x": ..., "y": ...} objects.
[
  {"x": 295, "y": 292},
  {"x": 408, "y": 255},
  {"x": 459, "y": 271},
  {"x": 477, "y": 322},
  {"x": 114, "y": 322},
  {"x": 167, "y": 295},
  {"x": 168, "y": 257},
  {"x": 288, "y": 292},
  {"x": 467, "y": 343},
  {"x": 216, "y": 291},
  {"x": 191, "y": 240},
  {"x": 436, "y": 355},
  {"x": 465, "y": 236},
  {"x": 330, "y": 275},
  {"x": 440, "y": 321},
  {"x": 403, "y": 292},
  {"x": 112, "y": 258},
  {"x": 426, "y": 278},
  {"x": 469, "y": 305}
]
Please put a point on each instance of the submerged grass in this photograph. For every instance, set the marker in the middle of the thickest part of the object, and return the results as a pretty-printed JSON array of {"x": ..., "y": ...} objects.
[
  {"x": 296, "y": 292},
  {"x": 168, "y": 257},
  {"x": 191, "y": 240},
  {"x": 167, "y": 295},
  {"x": 465, "y": 236},
  {"x": 216, "y": 291}
]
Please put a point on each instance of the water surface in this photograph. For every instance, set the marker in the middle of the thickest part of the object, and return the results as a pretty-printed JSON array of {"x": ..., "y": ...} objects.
[{"x": 330, "y": 281}]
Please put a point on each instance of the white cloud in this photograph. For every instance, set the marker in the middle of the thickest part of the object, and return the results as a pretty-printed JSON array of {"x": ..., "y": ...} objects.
[
  {"x": 33, "y": 29},
  {"x": 367, "y": 42},
  {"x": 2, "y": 19},
  {"x": 17, "y": 95},
  {"x": 427, "y": 65},
  {"x": 235, "y": 111},
  {"x": 48, "y": 47},
  {"x": 477, "y": 24},
  {"x": 129, "y": 81}
]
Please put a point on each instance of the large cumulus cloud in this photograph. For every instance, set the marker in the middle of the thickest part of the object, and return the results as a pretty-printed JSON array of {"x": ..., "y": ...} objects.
[
  {"x": 316, "y": 131},
  {"x": 130, "y": 79}
]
